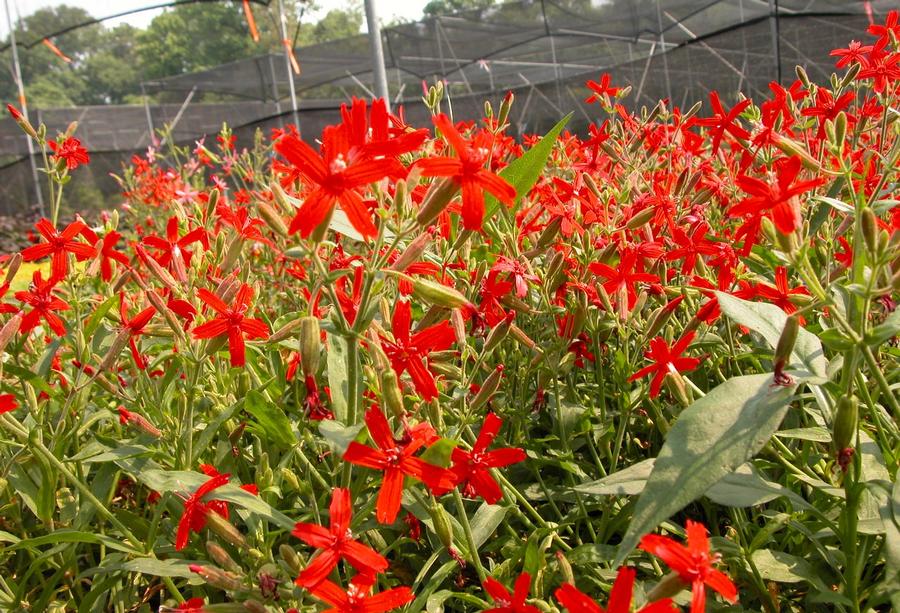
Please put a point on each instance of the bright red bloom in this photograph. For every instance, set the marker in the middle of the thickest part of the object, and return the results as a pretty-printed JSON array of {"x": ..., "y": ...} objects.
[
  {"x": 855, "y": 53},
  {"x": 472, "y": 468},
  {"x": 721, "y": 122},
  {"x": 620, "y": 280},
  {"x": 357, "y": 599},
  {"x": 232, "y": 320},
  {"x": 135, "y": 326},
  {"x": 336, "y": 542},
  {"x": 396, "y": 459},
  {"x": 410, "y": 352},
  {"x": 336, "y": 179},
  {"x": 195, "y": 510},
  {"x": 71, "y": 151},
  {"x": 108, "y": 253},
  {"x": 8, "y": 403},
  {"x": 667, "y": 360},
  {"x": 780, "y": 198},
  {"x": 506, "y": 602},
  {"x": 172, "y": 252},
  {"x": 780, "y": 293},
  {"x": 601, "y": 90},
  {"x": 468, "y": 172},
  {"x": 884, "y": 31},
  {"x": 694, "y": 564},
  {"x": 44, "y": 304},
  {"x": 619, "y": 597},
  {"x": 58, "y": 245}
]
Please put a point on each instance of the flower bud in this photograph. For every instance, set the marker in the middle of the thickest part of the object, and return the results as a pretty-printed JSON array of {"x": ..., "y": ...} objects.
[
  {"x": 436, "y": 200},
  {"x": 9, "y": 329},
  {"x": 438, "y": 294},
  {"x": 549, "y": 233},
  {"x": 254, "y": 606},
  {"x": 288, "y": 477},
  {"x": 565, "y": 569},
  {"x": 869, "y": 230},
  {"x": 212, "y": 203},
  {"x": 669, "y": 586},
  {"x": 458, "y": 322},
  {"x": 12, "y": 268},
  {"x": 784, "y": 348},
  {"x": 488, "y": 388},
  {"x": 846, "y": 417},
  {"x": 221, "y": 527},
  {"x": 161, "y": 274},
  {"x": 167, "y": 313},
  {"x": 401, "y": 197},
  {"x": 413, "y": 252},
  {"x": 391, "y": 394},
  {"x": 498, "y": 333},
  {"x": 505, "y": 108},
  {"x": 290, "y": 558},
  {"x": 218, "y": 555},
  {"x": 310, "y": 345},
  {"x": 641, "y": 218},
  {"x": 442, "y": 526},
  {"x": 20, "y": 119},
  {"x": 217, "y": 577},
  {"x": 286, "y": 331}
]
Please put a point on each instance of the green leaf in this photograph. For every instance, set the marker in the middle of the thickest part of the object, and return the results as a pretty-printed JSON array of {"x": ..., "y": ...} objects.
[
  {"x": 155, "y": 568},
  {"x": 626, "y": 482},
  {"x": 97, "y": 316},
  {"x": 784, "y": 568},
  {"x": 439, "y": 452},
  {"x": 338, "y": 380},
  {"x": 523, "y": 172},
  {"x": 338, "y": 435},
  {"x": 745, "y": 487},
  {"x": 271, "y": 419},
  {"x": 710, "y": 439},
  {"x": 884, "y": 331},
  {"x": 836, "y": 204},
  {"x": 768, "y": 320},
  {"x": 71, "y": 536},
  {"x": 487, "y": 519}
]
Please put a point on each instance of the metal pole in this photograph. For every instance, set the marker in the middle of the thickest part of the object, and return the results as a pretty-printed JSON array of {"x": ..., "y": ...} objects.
[
  {"x": 776, "y": 37},
  {"x": 381, "y": 84},
  {"x": 152, "y": 130},
  {"x": 287, "y": 62},
  {"x": 17, "y": 68}
]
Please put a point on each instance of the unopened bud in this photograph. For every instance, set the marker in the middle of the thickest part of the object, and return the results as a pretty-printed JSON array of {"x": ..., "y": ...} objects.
[
  {"x": 9, "y": 329},
  {"x": 639, "y": 219},
  {"x": 286, "y": 331},
  {"x": 565, "y": 569},
  {"x": 413, "y": 252},
  {"x": 12, "y": 268},
  {"x": 498, "y": 333},
  {"x": 846, "y": 418},
  {"x": 458, "y": 322},
  {"x": 273, "y": 219},
  {"x": 217, "y": 577},
  {"x": 784, "y": 348},
  {"x": 669, "y": 586},
  {"x": 254, "y": 606},
  {"x": 225, "y": 530},
  {"x": 505, "y": 108},
  {"x": 218, "y": 555},
  {"x": 438, "y": 294},
  {"x": 436, "y": 200},
  {"x": 488, "y": 388},
  {"x": 167, "y": 313},
  {"x": 290, "y": 558},
  {"x": 212, "y": 203},
  {"x": 310, "y": 345},
  {"x": 801, "y": 74},
  {"x": 401, "y": 197},
  {"x": 549, "y": 234},
  {"x": 869, "y": 230},
  {"x": 161, "y": 274},
  {"x": 442, "y": 526},
  {"x": 391, "y": 394}
]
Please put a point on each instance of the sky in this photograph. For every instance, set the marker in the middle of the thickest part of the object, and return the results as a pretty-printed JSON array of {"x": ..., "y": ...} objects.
[{"x": 387, "y": 9}]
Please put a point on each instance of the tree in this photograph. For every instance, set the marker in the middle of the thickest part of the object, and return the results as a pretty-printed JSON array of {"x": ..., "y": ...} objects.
[{"x": 446, "y": 7}]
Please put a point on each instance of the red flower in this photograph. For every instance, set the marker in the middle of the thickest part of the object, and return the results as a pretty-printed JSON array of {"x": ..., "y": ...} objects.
[
  {"x": 135, "y": 326},
  {"x": 621, "y": 279},
  {"x": 468, "y": 172},
  {"x": 335, "y": 543},
  {"x": 58, "y": 245},
  {"x": 780, "y": 294},
  {"x": 880, "y": 66},
  {"x": 195, "y": 510},
  {"x": 619, "y": 597},
  {"x": 721, "y": 122},
  {"x": 232, "y": 321},
  {"x": 108, "y": 252},
  {"x": 510, "y": 603},
  {"x": 855, "y": 53},
  {"x": 172, "y": 250},
  {"x": 410, "y": 352},
  {"x": 8, "y": 403},
  {"x": 192, "y": 605},
  {"x": 44, "y": 304},
  {"x": 396, "y": 459},
  {"x": 601, "y": 90},
  {"x": 335, "y": 179},
  {"x": 667, "y": 360},
  {"x": 71, "y": 151},
  {"x": 357, "y": 599},
  {"x": 779, "y": 198},
  {"x": 473, "y": 467},
  {"x": 694, "y": 564}
]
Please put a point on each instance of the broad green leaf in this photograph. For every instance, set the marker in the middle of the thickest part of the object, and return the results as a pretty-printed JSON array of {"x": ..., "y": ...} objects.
[
  {"x": 836, "y": 204},
  {"x": 626, "y": 482},
  {"x": 111, "y": 455},
  {"x": 336, "y": 362},
  {"x": 155, "y": 568},
  {"x": 591, "y": 554},
  {"x": 487, "y": 519},
  {"x": 785, "y": 568},
  {"x": 523, "y": 172},
  {"x": 768, "y": 320},
  {"x": 745, "y": 487},
  {"x": 439, "y": 452},
  {"x": 338, "y": 435},
  {"x": 710, "y": 439},
  {"x": 97, "y": 316},
  {"x": 885, "y": 331},
  {"x": 271, "y": 419},
  {"x": 817, "y": 434}
]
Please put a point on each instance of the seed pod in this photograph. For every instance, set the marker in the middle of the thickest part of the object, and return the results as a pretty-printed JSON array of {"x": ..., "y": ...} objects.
[
  {"x": 161, "y": 274},
  {"x": 12, "y": 268},
  {"x": 401, "y": 198},
  {"x": 549, "y": 234},
  {"x": 565, "y": 568},
  {"x": 488, "y": 388},
  {"x": 436, "y": 200},
  {"x": 458, "y": 321},
  {"x": 639, "y": 219},
  {"x": 390, "y": 392},
  {"x": 442, "y": 526},
  {"x": 668, "y": 586},
  {"x": 498, "y": 333},
  {"x": 212, "y": 203},
  {"x": 9, "y": 329},
  {"x": 310, "y": 345},
  {"x": 846, "y": 418},
  {"x": 286, "y": 331},
  {"x": 869, "y": 230},
  {"x": 254, "y": 606},
  {"x": 218, "y": 555},
  {"x": 167, "y": 313}
]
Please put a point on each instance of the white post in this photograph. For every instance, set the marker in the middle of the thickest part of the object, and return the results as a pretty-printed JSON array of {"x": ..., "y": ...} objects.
[
  {"x": 378, "y": 69},
  {"x": 287, "y": 61},
  {"x": 17, "y": 68}
]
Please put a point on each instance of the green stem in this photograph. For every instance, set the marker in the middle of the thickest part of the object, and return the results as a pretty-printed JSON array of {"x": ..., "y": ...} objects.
[{"x": 470, "y": 538}]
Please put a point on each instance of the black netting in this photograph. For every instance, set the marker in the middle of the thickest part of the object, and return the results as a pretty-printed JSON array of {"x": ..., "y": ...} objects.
[{"x": 543, "y": 51}]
